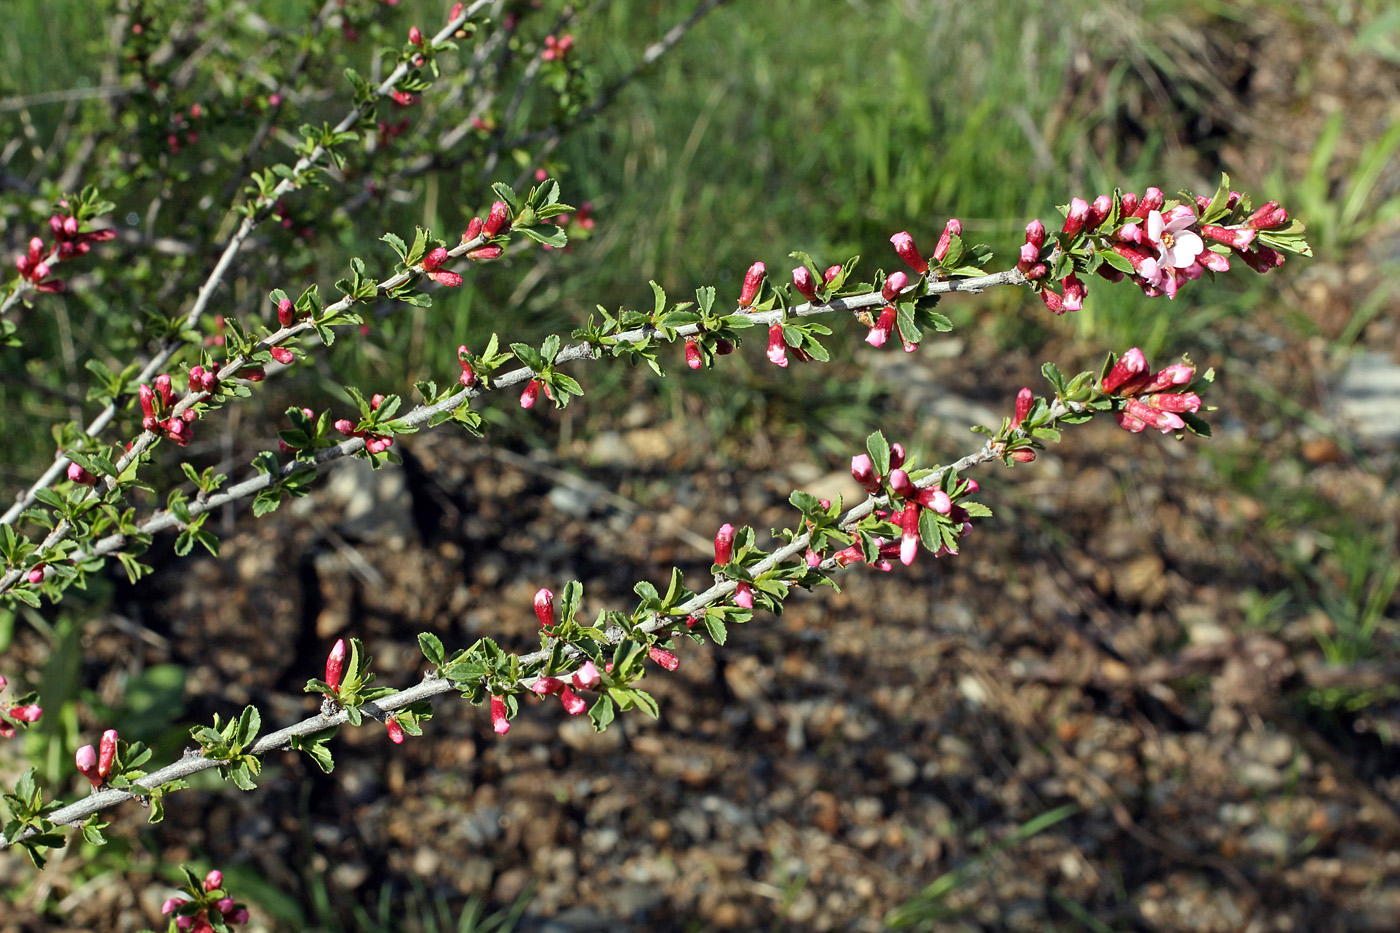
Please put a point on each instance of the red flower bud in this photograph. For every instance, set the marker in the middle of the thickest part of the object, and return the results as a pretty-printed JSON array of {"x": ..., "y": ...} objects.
[
  {"x": 904, "y": 246},
  {"x": 1023, "y": 455},
  {"x": 1128, "y": 204},
  {"x": 830, "y": 274},
  {"x": 752, "y": 280},
  {"x": 500, "y": 722},
  {"x": 901, "y": 484},
  {"x": 415, "y": 37},
  {"x": 1098, "y": 212},
  {"x": 544, "y": 608},
  {"x": 473, "y": 230},
  {"x": 587, "y": 676},
  {"x": 1129, "y": 366},
  {"x": 213, "y": 881},
  {"x": 282, "y": 355},
  {"x": 692, "y": 353},
  {"x": 909, "y": 540},
  {"x": 531, "y": 393},
  {"x": 497, "y": 220},
  {"x": 484, "y": 254},
  {"x": 1078, "y": 213},
  {"x": 254, "y": 373},
  {"x": 335, "y": 665},
  {"x": 777, "y": 346},
  {"x": 802, "y": 281},
  {"x": 434, "y": 259},
  {"x": 286, "y": 312},
  {"x": 107, "y": 753},
  {"x": 663, "y": 657},
  {"x": 881, "y": 331},
  {"x": 1035, "y": 234},
  {"x": 743, "y": 596},
  {"x": 895, "y": 284},
  {"x": 79, "y": 475},
  {"x": 87, "y": 765},
  {"x": 1074, "y": 292},
  {"x": 574, "y": 704},
  {"x": 724, "y": 544},
  {"x": 897, "y": 456},
  {"x": 28, "y": 712},
  {"x": 863, "y": 469},
  {"x": 1152, "y": 200},
  {"x": 945, "y": 239},
  {"x": 1024, "y": 401},
  {"x": 547, "y": 685},
  {"x": 395, "y": 730}
]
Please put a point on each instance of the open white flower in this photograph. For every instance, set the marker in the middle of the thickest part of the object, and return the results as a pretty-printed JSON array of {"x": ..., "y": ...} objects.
[{"x": 1176, "y": 246}]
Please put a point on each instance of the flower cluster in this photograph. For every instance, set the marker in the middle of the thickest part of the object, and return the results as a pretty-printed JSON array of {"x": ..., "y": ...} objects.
[
  {"x": 1153, "y": 400},
  {"x": 374, "y": 443},
  {"x": 1159, "y": 243},
  {"x": 557, "y": 48},
  {"x": 157, "y": 403},
  {"x": 208, "y": 908},
  {"x": 916, "y": 499},
  {"x": 22, "y": 712}
]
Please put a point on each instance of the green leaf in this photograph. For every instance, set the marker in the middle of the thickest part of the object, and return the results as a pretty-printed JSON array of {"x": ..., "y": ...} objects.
[
  {"x": 432, "y": 648},
  {"x": 715, "y": 626},
  {"x": 879, "y": 452}
]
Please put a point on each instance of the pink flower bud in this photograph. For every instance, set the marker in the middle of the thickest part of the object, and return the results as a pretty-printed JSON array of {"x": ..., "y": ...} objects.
[
  {"x": 1261, "y": 259},
  {"x": 79, "y": 475},
  {"x": 434, "y": 259},
  {"x": 547, "y": 685},
  {"x": 692, "y": 353},
  {"x": 497, "y": 220},
  {"x": 574, "y": 704},
  {"x": 283, "y": 355},
  {"x": 214, "y": 880},
  {"x": 163, "y": 389},
  {"x": 1216, "y": 262},
  {"x": 901, "y": 484},
  {"x": 238, "y": 917},
  {"x": 473, "y": 230},
  {"x": 1028, "y": 257},
  {"x": 724, "y": 544},
  {"x": 87, "y": 765},
  {"x": 1230, "y": 236},
  {"x": 1098, "y": 212},
  {"x": 286, "y": 312},
  {"x": 1152, "y": 200},
  {"x": 415, "y": 37},
  {"x": 663, "y": 657},
  {"x": 1177, "y": 374},
  {"x": 173, "y": 904},
  {"x": 743, "y": 596},
  {"x": 1129, "y": 366},
  {"x": 945, "y": 239},
  {"x": 335, "y": 665},
  {"x": 530, "y": 395},
  {"x": 391, "y": 725},
  {"x": 36, "y": 576},
  {"x": 830, "y": 274},
  {"x": 224, "y": 905},
  {"x": 1023, "y": 455},
  {"x": 936, "y": 499},
  {"x": 813, "y": 560},
  {"x": 500, "y": 722},
  {"x": 1175, "y": 401},
  {"x": 107, "y": 753},
  {"x": 895, "y": 284},
  {"x": 904, "y": 246},
  {"x": 1035, "y": 234},
  {"x": 587, "y": 677},
  {"x": 777, "y": 346},
  {"x": 909, "y": 540},
  {"x": 254, "y": 373},
  {"x": 1266, "y": 217},
  {"x": 544, "y": 608},
  {"x": 346, "y": 426},
  {"x": 3, "y": 683},
  {"x": 375, "y": 401},
  {"x": 1164, "y": 421},
  {"x": 1024, "y": 401},
  {"x": 1053, "y": 300},
  {"x": 802, "y": 281},
  {"x": 1078, "y": 213},
  {"x": 1128, "y": 204},
  {"x": 863, "y": 469},
  {"x": 897, "y": 456},
  {"x": 455, "y": 12},
  {"x": 27, "y": 713},
  {"x": 883, "y": 326},
  {"x": 752, "y": 280},
  {"x": 1074, "y": 292}
]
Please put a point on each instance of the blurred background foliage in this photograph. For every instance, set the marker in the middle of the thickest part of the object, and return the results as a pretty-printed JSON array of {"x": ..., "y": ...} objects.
[{"x": 820, "y": 125}]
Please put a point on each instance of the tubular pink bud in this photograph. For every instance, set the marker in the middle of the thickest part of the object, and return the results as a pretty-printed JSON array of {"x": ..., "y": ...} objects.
[
  {"x": 830, "y": 274},
  {"x": 743, "y": 596},
  {"x": 286, "y": 312},
  {"x": 1030, "y": 253},
  {"x": 1053, "y": 300},
  {"x": 1261, "y": 259},
  {"x": 1098, "y": 212},
  {"x": 574, "y": 704},
  {"x": 692, "y": 353},
  {"x": 895, "y": 284},
  {"x": 213, "y": 881},
  {"x": 347, "y": 427},
  {"x": 1177, "y": 374},
  {"x": 172, "y": 904},
  {"x": 254, "y": 373},
  {"x": 391, "y": 725},
  {"x": 1024, "y": 400},
  {"x": 497, "y": 220},
  {"x": 936, "y": 499},
  {"x": 945, "y": 239},
  {"x": 224, "y": 905},
  {"x": 1023, "y": 455},
  {"x": 36, "y": 576},
  {"x": 87, "y": 765},
  {"x": 1175, "y": 401},
  {"x": 802, "y": 281},
  {"x": 1074, "y": 292},
  {"x": 1270, "y": 215},
  {"x": 473, "y": 230},
  {"x": 547, "y": 685},
  {"x": 531, "y": 393},
  {"x": 904, "y": 246},
  {"x": 1035, "y": 234},
  {"x": 902, "y": 485},
  {"x": 883, "y": 326},
  {"x": 752, "y": 280},
  {"x": 27, "y": 713},
  {"x": 434, "y": 259},
  {"x": 147, "y": 397},
  {"x": 79, "y": 475},
  {"x": 1230, "y": 236},
  {"x": 468, "y": 377},
  {"x": 777, "y": 346},
  {"x": 544, "y": 608},
  {"x": 1078, "y": 213},
  {"x": 1128, "y": 204},
  {"x": 587, "y": 677},
  {"x": 724, "y": 544},
  {"x": 1164, "y": 421},
  {"x": 500, "y": 722},
  {"x": 863, "y": 469},
  {"x": 909, "y": 541},
  {"x": 1129, "y": 366},
  {"x": 106, "y": 753},
  {"x": 283, "y": 355},
  {"x": 1216, "y": 262},
  {"x": 163, "y": 389},
  {"x": 335, "y": 665},
  {"x": 415, "y": 37},
  {"x": 663, "y": 657},
  {"x": 1152, "y": 200}
]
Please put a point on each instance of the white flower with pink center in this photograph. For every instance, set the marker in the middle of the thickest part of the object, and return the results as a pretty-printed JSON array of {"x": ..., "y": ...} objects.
[{"x": 1177, "y": 246}]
